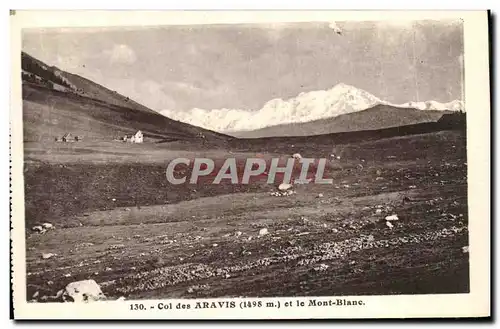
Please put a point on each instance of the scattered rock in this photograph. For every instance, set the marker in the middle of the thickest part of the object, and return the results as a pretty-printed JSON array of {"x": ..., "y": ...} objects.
[
  {"x": 284, "y": 187},
  {"x": 465, "y": 249},
  {"x": 83, "y": 291},
  {"x": 48, "y": 226},
  {"x": 378, "y": 211},
  {"x": 67, "y": 275},
  {"x": 321, "y": 268},
  {"x": 121, "y": 298},
  {"x": 85, "y": 244},
  {"x": 48, "y": 255},
  {"x": 389, "y": 225},
  {"x": 198, "y": 288},
  {"x": 379, "y": 178},
  {"x": 38, "y": 228},
  {"x": 412, "y": 187},
  {"x": 237, "y": 234},
  {"x": 263, "y": 231},
  {"x": 320, "y": 195},
  {"x": 116, "y": 246},
  {"x": 215, "y": 245},
  {"x": 392, "y": 217},
  {"x": 334, "y": 230},
  {"x": 282, "y": 193}
]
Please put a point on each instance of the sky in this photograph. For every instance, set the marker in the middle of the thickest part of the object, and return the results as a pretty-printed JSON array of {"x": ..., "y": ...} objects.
[{"x": 244, "y": 66}]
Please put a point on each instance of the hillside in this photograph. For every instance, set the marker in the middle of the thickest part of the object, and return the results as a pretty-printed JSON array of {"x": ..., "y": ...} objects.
[
  {"x": 307, "y": 145},
  {"x": 56, "y": 102},
  {"x": 377, "y": 117}
]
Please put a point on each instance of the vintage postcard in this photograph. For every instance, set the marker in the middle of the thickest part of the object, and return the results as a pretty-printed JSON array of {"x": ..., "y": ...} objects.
[{"x": 250, "y": 164}]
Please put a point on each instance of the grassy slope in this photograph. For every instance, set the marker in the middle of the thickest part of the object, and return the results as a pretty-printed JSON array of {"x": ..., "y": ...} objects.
[
  {"x": 377, "y": 117},
  {"x": 56, "y": 192},
  {"x": 93, "y": 111}
]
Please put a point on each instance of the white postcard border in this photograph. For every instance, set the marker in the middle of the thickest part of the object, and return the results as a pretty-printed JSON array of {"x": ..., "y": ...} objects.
[{"x": 477, "y": 98}]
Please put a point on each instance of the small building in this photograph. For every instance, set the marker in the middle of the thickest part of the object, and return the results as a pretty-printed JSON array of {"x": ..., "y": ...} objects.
[
  {"x": 138, "y": 137},
  {"x": 67, "y": 138}
]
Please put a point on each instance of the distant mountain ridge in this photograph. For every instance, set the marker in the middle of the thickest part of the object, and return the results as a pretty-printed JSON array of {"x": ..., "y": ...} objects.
[
  {"x": 305, "y": 107},
  {"x": 377, "y": 117}
]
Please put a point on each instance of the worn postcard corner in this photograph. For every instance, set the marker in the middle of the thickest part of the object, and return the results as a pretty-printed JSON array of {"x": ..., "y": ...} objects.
[{"x": 250, "y": 165}]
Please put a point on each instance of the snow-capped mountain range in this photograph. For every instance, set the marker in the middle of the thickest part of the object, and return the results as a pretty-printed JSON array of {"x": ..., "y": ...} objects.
[{"x": 307, "y": 106}]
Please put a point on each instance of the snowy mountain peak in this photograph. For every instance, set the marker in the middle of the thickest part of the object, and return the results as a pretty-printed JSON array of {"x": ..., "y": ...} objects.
[
  {"x": 454, "y": 106},
  {"x": 307, "y": 106}
]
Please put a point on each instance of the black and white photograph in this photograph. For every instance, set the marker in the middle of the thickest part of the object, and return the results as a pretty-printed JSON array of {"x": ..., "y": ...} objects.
[{"x": 218, "y": 164}]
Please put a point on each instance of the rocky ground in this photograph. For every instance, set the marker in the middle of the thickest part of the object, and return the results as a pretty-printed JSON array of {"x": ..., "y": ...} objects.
[{"x": 320, "y": 240}]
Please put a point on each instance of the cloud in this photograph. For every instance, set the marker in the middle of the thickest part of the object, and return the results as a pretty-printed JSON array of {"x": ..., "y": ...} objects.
[{"x": 122, "y": 54}]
